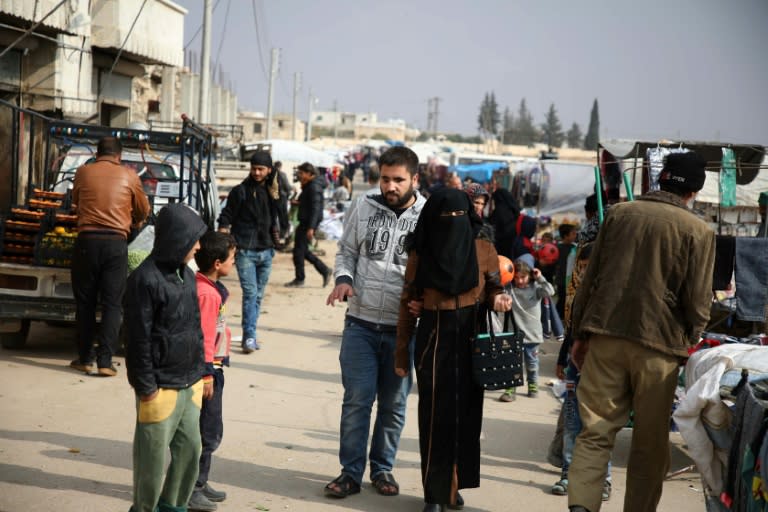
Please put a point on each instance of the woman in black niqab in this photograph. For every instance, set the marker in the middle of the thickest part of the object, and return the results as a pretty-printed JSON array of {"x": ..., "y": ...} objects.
[
  {"x": 444, "y": 239},
  {"x": 504, "y": 219}
]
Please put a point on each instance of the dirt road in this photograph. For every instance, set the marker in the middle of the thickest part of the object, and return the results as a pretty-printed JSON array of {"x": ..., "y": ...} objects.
[{"x": 65, "y": 439}]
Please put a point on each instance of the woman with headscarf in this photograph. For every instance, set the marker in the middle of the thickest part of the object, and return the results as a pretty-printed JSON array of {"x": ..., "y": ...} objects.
[
  {"x": 456, "y": 276},
  {"x": 480, "y": 199}
]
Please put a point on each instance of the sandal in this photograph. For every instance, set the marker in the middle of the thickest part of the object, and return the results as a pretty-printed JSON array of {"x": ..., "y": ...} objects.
[
  {"x": 560, "y": 488},
  {"x": 386, "y": 484},
  {"x": 346, "y": 486}
]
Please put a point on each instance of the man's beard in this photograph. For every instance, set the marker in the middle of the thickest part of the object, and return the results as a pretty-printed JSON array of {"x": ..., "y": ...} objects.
[{"x": 395, "y": 201}]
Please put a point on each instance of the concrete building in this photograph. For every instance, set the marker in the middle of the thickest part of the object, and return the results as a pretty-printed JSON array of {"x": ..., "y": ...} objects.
[
  {"x": 395, "y": 129},
  {"x": 110, "y": 62},
  {"x": 360, "y": 125},
  {"x": 343, "y": 121},
  {"x": 255, "y": 126}
]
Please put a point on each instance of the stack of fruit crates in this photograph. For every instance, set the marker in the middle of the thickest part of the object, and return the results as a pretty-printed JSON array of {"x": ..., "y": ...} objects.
[{"x": 41, "y": 232}]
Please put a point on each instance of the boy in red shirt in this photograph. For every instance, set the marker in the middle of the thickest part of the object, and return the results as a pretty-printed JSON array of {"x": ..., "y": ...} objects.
[{"x": 214, "y": 260}]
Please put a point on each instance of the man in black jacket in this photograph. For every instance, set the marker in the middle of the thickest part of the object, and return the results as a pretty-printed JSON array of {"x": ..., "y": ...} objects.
[
  {"x": 251, "y": 216},
  {"x": 310, "y": 215}
]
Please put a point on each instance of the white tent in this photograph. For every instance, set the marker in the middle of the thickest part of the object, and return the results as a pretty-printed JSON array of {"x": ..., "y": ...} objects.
[{"x": 292, "y": 151}]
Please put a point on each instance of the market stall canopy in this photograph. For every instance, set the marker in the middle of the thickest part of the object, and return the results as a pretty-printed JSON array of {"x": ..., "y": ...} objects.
[
  {"x": 749, "y": 157},
  {"x": 481, "y": 173},
  {"x": 292, "y": 151}
]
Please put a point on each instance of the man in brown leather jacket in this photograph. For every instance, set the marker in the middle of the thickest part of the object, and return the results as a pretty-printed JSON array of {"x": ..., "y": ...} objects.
[{"x": 109, "y": 199}]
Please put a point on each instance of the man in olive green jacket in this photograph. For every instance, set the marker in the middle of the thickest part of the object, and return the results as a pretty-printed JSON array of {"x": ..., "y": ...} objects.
[{"x": 645, "y": 298}]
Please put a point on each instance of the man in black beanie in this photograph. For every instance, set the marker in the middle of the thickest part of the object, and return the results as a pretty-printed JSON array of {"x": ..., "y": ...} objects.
[
  {"x": 644, "y": 298},
  {"x": 251, "y": 215}
]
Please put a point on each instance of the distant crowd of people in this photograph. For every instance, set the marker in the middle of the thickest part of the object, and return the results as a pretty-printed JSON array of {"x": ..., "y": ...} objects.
[{"x": 419, "y": 276}]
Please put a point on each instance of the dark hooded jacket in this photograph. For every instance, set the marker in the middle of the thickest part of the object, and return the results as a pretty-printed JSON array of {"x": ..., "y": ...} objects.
[
  {"x": 162, "y": 315},
  {"x": 311, "y": 204},
  {"x": 252, "y": 216}
]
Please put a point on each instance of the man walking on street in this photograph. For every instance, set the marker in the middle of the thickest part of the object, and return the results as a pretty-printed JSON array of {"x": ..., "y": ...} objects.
[
  {"x": 252, "y": 218},
  {"x": 310, "y": 214},
  {"x": 110, "y": 200},
  {"x": 370, "y": 268},
  {"x": 644, "y": 299}
]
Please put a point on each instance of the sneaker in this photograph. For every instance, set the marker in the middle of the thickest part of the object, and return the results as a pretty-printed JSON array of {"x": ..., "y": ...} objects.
[
  {"x": 327, "y": 277},
  {"x": 533, "y": 391},
  {"x": 212, "y": 494},
  {"x": 508, "y": 395},
  {"x": 606, "y": 490},
  {"x": 294, "y": 284},
  {"x": 106, "y": 371},
  {"x": 560, "y": 488},
  {"x": 199, "y": 503},
  {"x": 249, "y": 345},
  {"x": 81, "y": 367}
]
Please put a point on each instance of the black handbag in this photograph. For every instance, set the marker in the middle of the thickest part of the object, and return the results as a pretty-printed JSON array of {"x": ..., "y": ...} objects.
[{"x": 497, "y": 358}]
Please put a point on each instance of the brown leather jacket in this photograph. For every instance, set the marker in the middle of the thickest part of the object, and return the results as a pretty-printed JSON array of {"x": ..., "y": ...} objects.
[
  {"x": 488, "y": 287},
  {"x": 108, "y": 196}
]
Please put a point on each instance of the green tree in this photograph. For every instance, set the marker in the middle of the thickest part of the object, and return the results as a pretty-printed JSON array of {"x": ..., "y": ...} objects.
[
  {"x": 488, "y": 119},
  {"x": 574, "y": 137},
  {"x": 593, "y": 132},
  {"x": 525, "y": 131},
  {"x": 551, "y": 129},
  {"x": 507, "y": 127}
]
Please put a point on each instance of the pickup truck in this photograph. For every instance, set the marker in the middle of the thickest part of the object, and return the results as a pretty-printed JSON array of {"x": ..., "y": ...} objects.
[{"x": 38, "y": 224}]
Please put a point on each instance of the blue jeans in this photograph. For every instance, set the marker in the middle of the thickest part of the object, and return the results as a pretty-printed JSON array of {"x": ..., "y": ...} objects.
[
  {"x": 367, "y": 361},
  {"x": 531, "y": 360},
  {"x": 572, "y": 426},
  {"x": 253, "y": 268}
]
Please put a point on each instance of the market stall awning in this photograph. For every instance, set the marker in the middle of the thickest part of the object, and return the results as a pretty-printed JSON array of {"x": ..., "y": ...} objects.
[
  {"x": 749, "y": 157},
  {"x": 481, "y": 173}
]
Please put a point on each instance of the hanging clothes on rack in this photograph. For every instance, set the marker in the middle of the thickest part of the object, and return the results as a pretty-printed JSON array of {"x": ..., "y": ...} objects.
[
  {"x": 655, "y": 157},
  {"x": 728, "y": 179},
  {"x": 751, "y": 273}
]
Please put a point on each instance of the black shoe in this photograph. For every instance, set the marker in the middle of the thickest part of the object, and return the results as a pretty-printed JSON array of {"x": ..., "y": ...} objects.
[
  {"x": 327, "y": 277},
  {"x": 577, "y": 508},
  {"x": 432, "y": 507},
  {"x": 294, "y": 284},
  {"x": 199, "y": 503},
  {"x": 212, "y": 494},
  {"x": 81, "y": 367},
  {"x": 459, "y": 503}
]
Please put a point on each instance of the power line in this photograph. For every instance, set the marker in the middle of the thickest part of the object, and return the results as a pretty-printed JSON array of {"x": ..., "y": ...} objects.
[
  {"x": 120, "y": 51},
  {"x": 31, "y": 29},
  {"x": 200, "y": 27},
  {"x": 258, "y": 41},
  {"x": 223, "y": 35}
]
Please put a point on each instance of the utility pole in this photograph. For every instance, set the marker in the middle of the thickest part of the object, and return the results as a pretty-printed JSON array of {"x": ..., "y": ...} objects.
[
  {"x": 205, "y": 64},
  {"x": 309, "y": 116},
  {"x": 335, "y": 121},
  {"x": 272, "y": 75},
  {"x": 296, "y": 88},
  {"x": 429, "y": 116},
  {"x": 435, "y": 114}
]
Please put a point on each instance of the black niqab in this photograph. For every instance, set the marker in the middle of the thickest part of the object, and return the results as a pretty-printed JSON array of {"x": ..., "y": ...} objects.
[{"x": 446, "y": 243}]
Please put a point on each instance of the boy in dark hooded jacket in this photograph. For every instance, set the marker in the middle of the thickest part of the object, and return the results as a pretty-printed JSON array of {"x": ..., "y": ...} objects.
[{"x": 165, "y": 363}]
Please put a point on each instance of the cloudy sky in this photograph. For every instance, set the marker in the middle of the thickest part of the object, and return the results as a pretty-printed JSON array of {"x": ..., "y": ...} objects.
[{"x": 691, "y": 69}]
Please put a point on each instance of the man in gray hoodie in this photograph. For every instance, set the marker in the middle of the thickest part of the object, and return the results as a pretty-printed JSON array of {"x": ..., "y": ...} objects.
[{"x": 370, "y": 266}]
